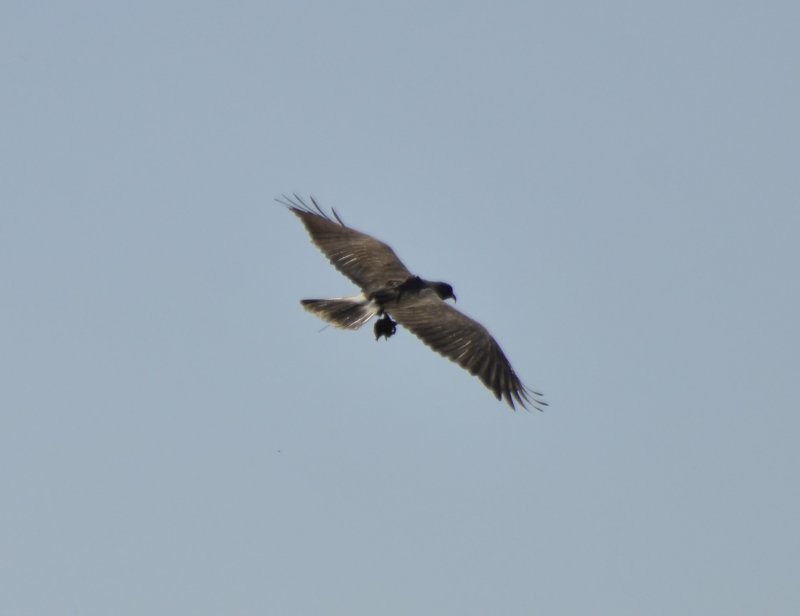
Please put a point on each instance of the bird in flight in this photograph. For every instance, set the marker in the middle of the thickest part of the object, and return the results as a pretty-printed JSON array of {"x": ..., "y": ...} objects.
[{"x": 396, "y": 296}]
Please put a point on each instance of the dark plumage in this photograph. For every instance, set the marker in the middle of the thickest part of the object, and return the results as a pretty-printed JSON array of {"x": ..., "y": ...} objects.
[{"x": 392, "y": 292}]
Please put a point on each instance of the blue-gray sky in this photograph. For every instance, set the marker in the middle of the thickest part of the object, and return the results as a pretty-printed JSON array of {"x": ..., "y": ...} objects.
[{"x": 612, "y": 188}]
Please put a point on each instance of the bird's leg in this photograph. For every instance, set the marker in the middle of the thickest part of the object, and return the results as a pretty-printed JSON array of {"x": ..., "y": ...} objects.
[{"x": 385, "y": 326}]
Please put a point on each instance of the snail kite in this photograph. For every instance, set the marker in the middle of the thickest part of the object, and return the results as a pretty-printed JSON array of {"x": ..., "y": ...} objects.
[{"x": 391, "y": 292}]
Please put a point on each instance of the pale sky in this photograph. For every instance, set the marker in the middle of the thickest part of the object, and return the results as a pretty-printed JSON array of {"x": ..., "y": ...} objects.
[{"x": 611, "y": 188}]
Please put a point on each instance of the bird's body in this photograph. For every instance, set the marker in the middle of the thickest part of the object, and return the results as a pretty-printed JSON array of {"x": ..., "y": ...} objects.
[{"x": 391, "y": 292}]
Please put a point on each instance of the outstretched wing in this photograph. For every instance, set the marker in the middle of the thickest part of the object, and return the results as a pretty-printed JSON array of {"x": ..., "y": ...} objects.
[
  {"x": 466, "y": 342},
  {"x": 368, "y": 262}
]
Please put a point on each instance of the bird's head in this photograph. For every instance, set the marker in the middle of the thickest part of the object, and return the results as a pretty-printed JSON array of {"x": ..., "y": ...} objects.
[{"x": 444, "y": 291}]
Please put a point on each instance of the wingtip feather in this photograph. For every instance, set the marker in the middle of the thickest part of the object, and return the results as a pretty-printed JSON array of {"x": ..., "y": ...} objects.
[{"x": 298, "y": 206}]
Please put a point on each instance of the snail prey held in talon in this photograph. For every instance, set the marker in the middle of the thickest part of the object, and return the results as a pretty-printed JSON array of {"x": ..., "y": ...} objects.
[{"x": 392, "y": 293}]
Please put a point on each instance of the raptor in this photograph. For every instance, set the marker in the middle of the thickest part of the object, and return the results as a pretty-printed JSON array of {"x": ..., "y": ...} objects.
[{"x": 390, "y": 292}]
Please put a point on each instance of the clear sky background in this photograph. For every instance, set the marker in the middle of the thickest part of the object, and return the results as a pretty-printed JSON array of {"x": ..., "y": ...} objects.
[{"x": 612, "y": 189}]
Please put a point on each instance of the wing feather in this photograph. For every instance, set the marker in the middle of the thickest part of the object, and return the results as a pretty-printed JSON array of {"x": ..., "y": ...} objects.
[
  {"x": 466, "y": 342},
  {"x": 368, "y": 262}
]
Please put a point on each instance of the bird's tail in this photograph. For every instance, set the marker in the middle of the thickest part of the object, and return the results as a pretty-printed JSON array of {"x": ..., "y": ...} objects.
[{"x": 343, "y": 312}]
